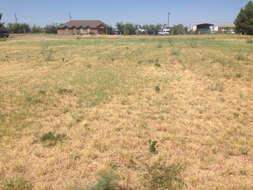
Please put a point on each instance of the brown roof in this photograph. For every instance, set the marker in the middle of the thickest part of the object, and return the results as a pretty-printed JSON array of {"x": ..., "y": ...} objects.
[{"x": 82, "y": 24}]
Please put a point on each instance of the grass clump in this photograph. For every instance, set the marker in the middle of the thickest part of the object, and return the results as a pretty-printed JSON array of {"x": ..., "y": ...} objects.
[
  {"x": 175, "y": 52},
  {"x": 157, "y": 89},
  {"x": 16, "y": 183},
  {"x": 106, "y": 180},
  {"x": 249, "y": 41},
  {"x": 159, "y": 46},
  {"x": 160, "y": 176},
  {"x": 50, "y": 139},
  {"x": 157, "y": 64},
  {"x": 244, "y": 150},
  {"x": 219, "y": 86},
  {"x": 152, "y": 146}
]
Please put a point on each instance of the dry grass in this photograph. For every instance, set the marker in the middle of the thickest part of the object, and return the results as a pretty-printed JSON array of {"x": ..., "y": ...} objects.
[{"x": 101, "y": 95}]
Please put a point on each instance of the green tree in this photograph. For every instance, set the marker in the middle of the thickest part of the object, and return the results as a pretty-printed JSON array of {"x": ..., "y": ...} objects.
[
  {"x": 179, "y": 29},
  {"x": 37, "y": 29},
  {"x": 244, "y": 20},
  {"x": 2, "y": 28},
  {"x": 129, "y": 29},
  {"x": 120, "y": 27},
  {"x": 18, "y": 28},
  {"x": 51, "y": 29}
]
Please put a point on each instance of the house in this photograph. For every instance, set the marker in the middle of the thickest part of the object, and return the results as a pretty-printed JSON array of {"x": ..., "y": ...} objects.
[
  {"x": 83, "y": 27},
  {"x": 204, "y": 28},
  {"x": 229, "y": 29}
]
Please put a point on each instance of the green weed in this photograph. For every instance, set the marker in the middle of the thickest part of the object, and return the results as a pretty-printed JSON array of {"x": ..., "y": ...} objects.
[
  {"x": 157, "y": 89},
  {"x": 152, "y": 146},
  {"x": 106, "y": 180},
  {"x": 50, "y": 139},
  {"x": 160, "y": 176},
  {"x": 16, "y": 183}
]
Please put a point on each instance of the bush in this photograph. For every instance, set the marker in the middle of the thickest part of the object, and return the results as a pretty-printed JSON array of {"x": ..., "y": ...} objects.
[
  {"x": 50, "y": 139},
  {"x": 51, "y": 29},
  {"x": 160, "y": 176},
  {"x": 16, "y": 183},
  {"x": 250, "y": 41},
  {"x": 106, "y": 180},
  {"x": 152, "y": 146}
]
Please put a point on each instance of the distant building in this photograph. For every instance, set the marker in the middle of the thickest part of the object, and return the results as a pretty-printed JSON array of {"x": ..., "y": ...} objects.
[
  {"x": 165, "y": 30},
  {"x": 225, "y": 29},
  {"x": 204, "y": 28},
  {"x": 83, "y": 27}
]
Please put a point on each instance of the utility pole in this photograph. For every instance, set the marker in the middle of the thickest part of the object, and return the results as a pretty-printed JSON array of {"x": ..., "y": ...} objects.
[
  {"x": 16, "y": 18},
  {"x": 70, "y": 17},
  {"x": 168, "y": 19}
]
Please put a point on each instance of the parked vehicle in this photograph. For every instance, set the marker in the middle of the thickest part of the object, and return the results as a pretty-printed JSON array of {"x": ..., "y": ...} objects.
[
  {"x": 164, "y": 31},
  {"x": 4, "y": 34}
]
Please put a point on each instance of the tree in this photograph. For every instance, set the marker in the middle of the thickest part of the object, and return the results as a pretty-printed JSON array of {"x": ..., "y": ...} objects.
[
  {"x": 18, "y": 28},
  {"x": 51, "y": 29},
  {"x": 37, "y": 29},
  {"x": 129, "y": 29},
  {"x": 179, "y": 29},
  {"x": 120, "y": 27},
  {"x": 2, "y": 28},
  {"x": 244, "y": 21},
  {"x": 152, "y": 29}
]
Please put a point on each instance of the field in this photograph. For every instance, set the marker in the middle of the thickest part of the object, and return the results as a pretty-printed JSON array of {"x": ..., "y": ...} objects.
[{"x": 72, "y": 107}]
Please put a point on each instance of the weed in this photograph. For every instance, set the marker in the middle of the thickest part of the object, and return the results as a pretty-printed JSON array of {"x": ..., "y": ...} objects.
[
  {"x": 47, "y": 54},
  {"x": 88, "y": 66},
  {"x": 238, "y": 75},
  {"x": 152, "y": 146},
  {"x": 159, "y": 46},
  {"x": 78, "y": 117},
  {"x": 193, "y": 43},
  {"x": 139, "y": 62},
  {"x": 33, "y": 100},
  {"x": 16, "y": 183},
  {"x": 157, "y": 89},
  {"x": 217, "y": 87},
  {"x": 157, "y": 64},
  {"x": 106, "y": 180},
  {"x": 50, "y": 139},
  {"x": 243, "y": 172},
  {"x": 236, "y": 115},
  {"x": 159, "y": 176},
  {"x": 113, "y": 165},
  {"x": 171, "y": 43},
  {"x": 62, "y": 91},
  {"x": 76, "y": 156},
  {"x": 244, "y": 150},
  {"x": 86, "y": 126},
  {"x": 249, "y": 41},
  {"x": 240, "y": 57},
  {"x": 175, "y": 52}
]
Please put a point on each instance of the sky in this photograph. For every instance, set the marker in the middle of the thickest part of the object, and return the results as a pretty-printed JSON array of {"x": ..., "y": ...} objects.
[{"x": 187, "y": 12}]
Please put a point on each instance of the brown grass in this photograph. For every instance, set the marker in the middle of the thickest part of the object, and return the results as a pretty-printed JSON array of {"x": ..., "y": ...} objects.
[{"x": 100, "y": 93}]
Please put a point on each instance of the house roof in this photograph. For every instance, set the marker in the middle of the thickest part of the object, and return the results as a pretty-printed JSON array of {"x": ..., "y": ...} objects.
[
  {"x": 205, "y": 24},
  {"x": 82, "y": 24}
]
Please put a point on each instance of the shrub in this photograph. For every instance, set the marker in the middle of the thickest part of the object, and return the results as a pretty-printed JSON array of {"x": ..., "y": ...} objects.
[
  {"x": 16, "y": 183},
  {"x": 106, "y": 180},
  {"x": 152, "y": 146},
  {"x": 160, "y": 176},
  {"x": 157, "y": 63},
  {"x": 50, "y": 139},
  {"x": 159, "y": 46},
  {"x": 250, "y": 41},
  {"x": 157, "y": 89}
]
